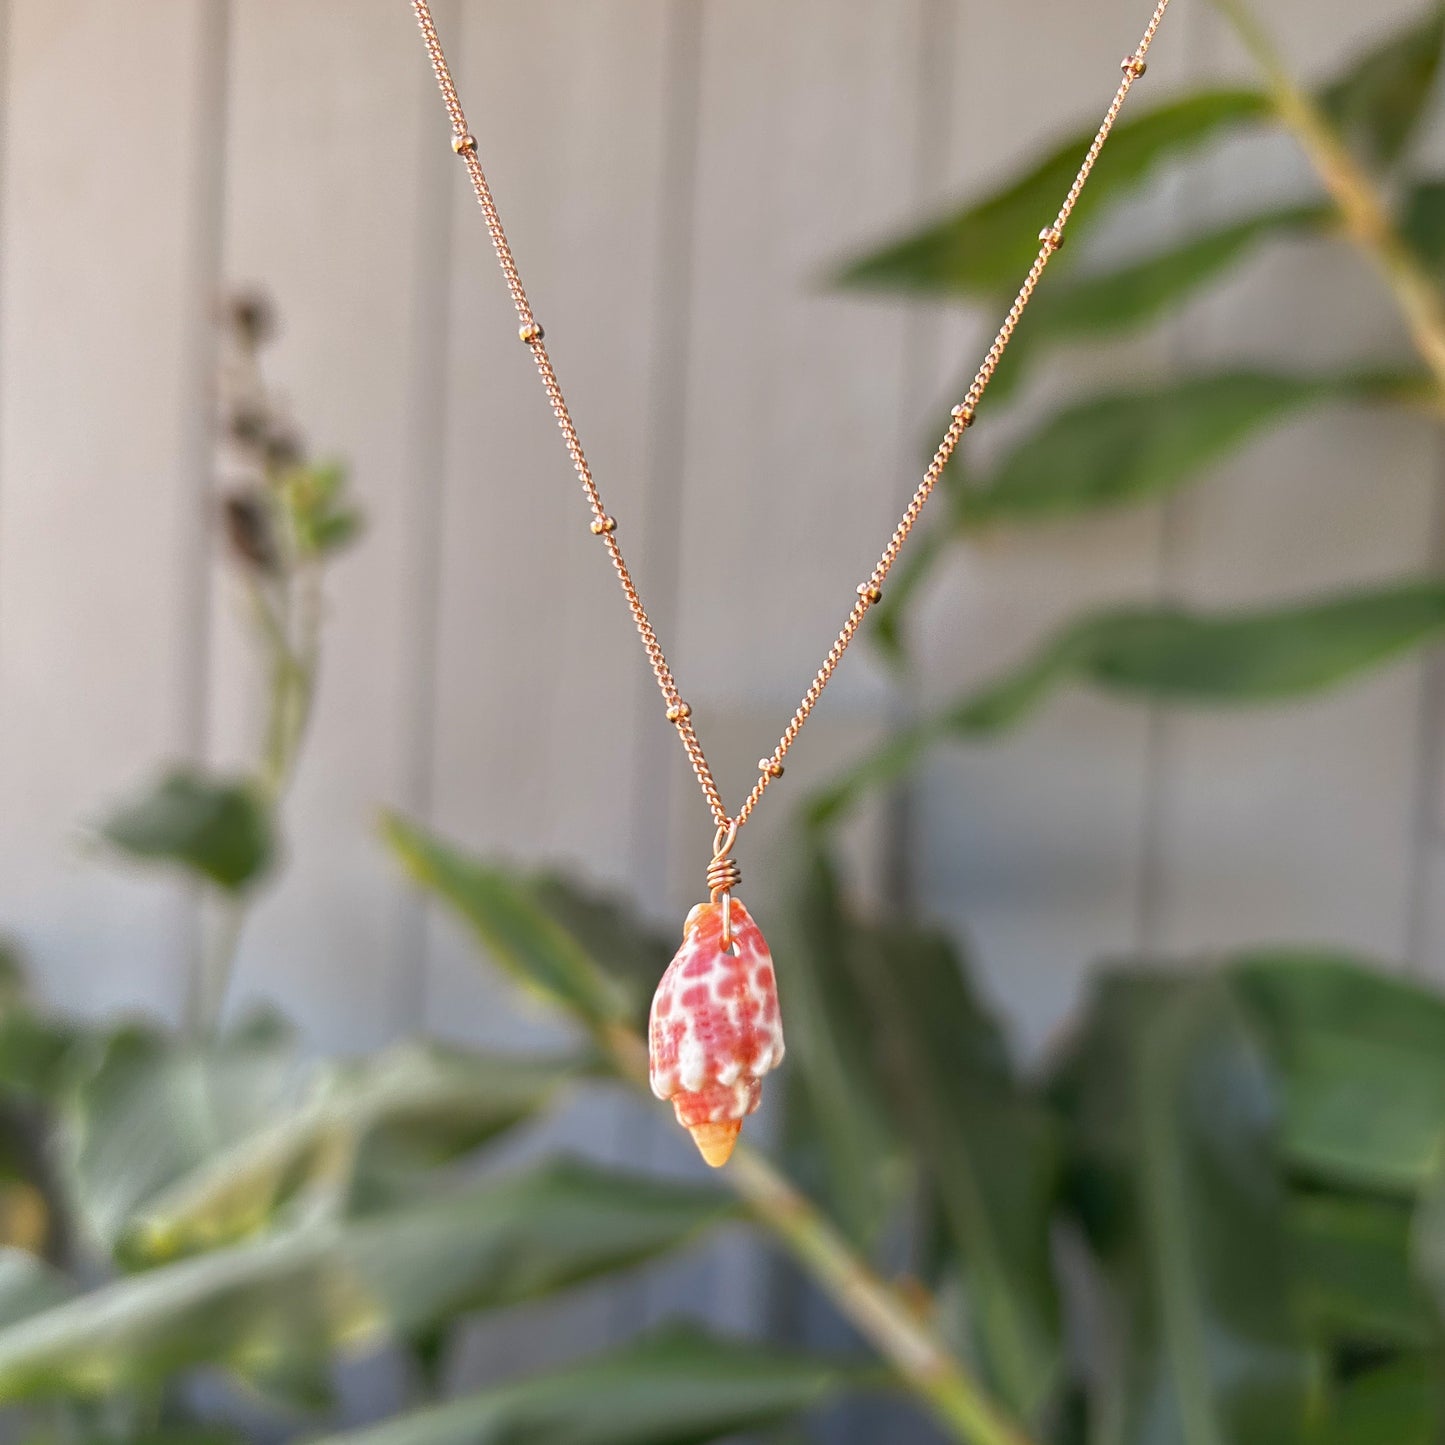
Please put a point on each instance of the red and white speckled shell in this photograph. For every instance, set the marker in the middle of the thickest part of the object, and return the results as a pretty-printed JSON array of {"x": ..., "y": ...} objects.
[{"x": 715, "y": 1029}]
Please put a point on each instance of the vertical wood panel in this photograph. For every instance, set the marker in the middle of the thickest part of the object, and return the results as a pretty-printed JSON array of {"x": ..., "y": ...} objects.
[
  {"x": 98, "y": 514},
  {"x": 327, "y": 212}
]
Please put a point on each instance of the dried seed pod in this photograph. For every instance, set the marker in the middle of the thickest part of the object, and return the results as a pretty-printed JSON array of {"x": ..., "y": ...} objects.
[
  {"x": 251, "y": 531},
  {"x": 715, "y": 1029},
  {"x": 251, "y": 317}
]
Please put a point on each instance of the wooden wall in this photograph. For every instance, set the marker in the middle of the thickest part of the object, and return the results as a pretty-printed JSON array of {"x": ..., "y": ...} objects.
[{"x": 677, "y": 176}]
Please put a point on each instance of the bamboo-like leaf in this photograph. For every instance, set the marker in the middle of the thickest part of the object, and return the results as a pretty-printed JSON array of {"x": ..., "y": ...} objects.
[
  {"x": 1179, "y": 1185},
  {"x": 1170, "y": 655},
  {"x": 984, "y": 249},
  {"x": 987, "y": 1144},
  {"x": 1379, "y": 103},
  {"x": 626, "y": 949},
  {"x": 1362, "y": 1060},
  {"x": 830, "y": 1028},
  {"x": 334, "y": 1284},
  {"x": 677, "y": 1388},
  {"x": 1223, "y": 659},
  {"x": 510, "y": 919},
  {"x": 1123, "y": 447},
  {"x": 1082, "y": 306}
]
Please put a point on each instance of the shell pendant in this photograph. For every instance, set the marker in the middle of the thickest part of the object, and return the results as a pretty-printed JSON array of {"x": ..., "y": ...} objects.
[{"x": 715, "y": 1028}]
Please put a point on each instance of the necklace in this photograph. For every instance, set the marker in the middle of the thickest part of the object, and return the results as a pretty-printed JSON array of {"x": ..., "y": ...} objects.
[{"x": 715, "y": 1028}]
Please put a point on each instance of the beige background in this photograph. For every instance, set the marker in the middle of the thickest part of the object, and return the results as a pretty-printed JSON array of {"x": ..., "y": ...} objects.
[{"x": 677, "y": 175}]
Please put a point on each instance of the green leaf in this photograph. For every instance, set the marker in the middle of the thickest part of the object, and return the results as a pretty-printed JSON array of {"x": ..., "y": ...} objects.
[
  {"x": 1429, "y": 1259},
  {"x": 1422, "y": 224},
  {"x": 1397, "y": 1402},
  {"x": 1124, "y": 447},
  {"x": 1170, "y": 655},
  {"x": 1354, "y": 1278},
  {"x": 1178, "y": 1183},
  {"x": 362, "y": 1135},
  {"x": 1379, "y": 103},
  {"x": 1362, "y": 1059},
  {"x": 331, "y": 533},
  {"x": 14, "y": 983},
  {"x": 677, "y": 1388},
  {"x": 1107, "y": 303},
  {"x": 37, "y": 1052},
  {"x": 984, "y": 250},
  {"x": 315, "y": 503},
  {"x": 830, "y": 1028},
  {"x": 152, "y": 1107},
  {"x": 1221, "y": 659},
  {"x": 618, "y": 942},
  {"x": 216, "y": 827},
  {"x": 332, "y": 1284},
  {"x": 1120, "y": 449},
  {"x": 144, "y": 1435},
  {"x": 987, "y": 1144},
  {"x": 507, "y": 917}
]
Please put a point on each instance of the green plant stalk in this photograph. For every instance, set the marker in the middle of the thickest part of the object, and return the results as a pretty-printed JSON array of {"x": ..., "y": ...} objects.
[
  {"x": 293, "y": 680},
  {"x": 292, "y": 669},
  {"x": 895, "y": 1328},
  {"x": 1363, "y": 210}
]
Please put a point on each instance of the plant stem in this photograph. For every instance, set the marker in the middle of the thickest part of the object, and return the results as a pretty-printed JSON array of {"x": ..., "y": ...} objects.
[
  {"x": 1363, "y": 209},
  {"x": 293, "y": 678},
  {"x": 292, "y": 667},
  {"x": 218, "y": 957},
  {"x": 879, "y": 1311}
]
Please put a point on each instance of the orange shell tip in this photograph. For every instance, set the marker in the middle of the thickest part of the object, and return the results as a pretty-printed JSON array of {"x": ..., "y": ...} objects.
[{"x": 715, "y": 1141}]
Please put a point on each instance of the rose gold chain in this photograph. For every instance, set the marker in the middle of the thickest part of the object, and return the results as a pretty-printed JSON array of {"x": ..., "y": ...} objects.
[{"x": 869, "y": 592}]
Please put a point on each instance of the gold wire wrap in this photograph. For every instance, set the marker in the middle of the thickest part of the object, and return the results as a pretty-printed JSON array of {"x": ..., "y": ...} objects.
[{"x": 723, "y": 875}]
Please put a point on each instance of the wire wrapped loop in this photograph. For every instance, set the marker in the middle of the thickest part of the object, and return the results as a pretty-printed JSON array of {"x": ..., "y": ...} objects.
[{"x": 723, "y": 875}]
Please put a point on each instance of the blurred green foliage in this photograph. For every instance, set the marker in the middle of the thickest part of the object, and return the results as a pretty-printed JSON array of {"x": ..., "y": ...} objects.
[
  {"x": 1248, "y": 1151},
  {"x": 1125, "y": 447}
]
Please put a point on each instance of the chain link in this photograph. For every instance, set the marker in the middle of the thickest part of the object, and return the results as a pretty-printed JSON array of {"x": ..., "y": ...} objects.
[{"x": 678, "y": 712}]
